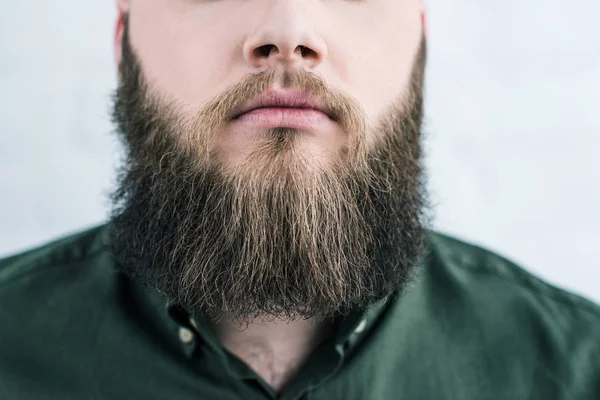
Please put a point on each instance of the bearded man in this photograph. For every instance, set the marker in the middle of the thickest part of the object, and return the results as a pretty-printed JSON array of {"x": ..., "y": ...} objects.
[{"x": 269, "y": 235}]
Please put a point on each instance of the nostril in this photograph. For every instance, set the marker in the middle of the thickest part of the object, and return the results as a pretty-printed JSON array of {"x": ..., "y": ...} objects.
[
  {"x": 304, "y": 51},
  {"x": 264, "y": 50}
]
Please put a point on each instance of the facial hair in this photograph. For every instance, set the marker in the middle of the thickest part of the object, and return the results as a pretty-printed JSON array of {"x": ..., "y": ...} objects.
[{"x": 282, "y": 234}]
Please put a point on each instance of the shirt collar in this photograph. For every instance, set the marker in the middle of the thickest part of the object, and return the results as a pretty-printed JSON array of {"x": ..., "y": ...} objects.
[
  {"x": 162, "y": 316},
  {"x": 357, "y": 324},
  {"x": 186, "y": 332},
  {"x": 350, "y": 331}
]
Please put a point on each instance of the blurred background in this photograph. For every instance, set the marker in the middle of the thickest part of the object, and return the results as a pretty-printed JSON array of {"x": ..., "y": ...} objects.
[{"x": 512, "y": 127}]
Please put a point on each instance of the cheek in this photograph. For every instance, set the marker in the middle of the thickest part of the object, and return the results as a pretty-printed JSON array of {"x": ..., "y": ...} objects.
[
  {"x": 389, "y": 59},
  {"x": 383, "y": 76},
  {"x": 179, "y": 58}
]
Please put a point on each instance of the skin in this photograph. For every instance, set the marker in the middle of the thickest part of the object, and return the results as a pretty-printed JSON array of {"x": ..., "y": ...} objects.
[{"x": 192, "y": 50}]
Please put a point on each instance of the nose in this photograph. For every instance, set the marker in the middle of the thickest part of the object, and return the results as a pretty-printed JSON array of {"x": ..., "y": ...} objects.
[{"x": 285, "y": 38}]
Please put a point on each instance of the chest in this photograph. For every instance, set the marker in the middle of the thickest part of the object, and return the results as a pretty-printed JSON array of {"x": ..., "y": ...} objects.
[{"x": 276, "y": 367}]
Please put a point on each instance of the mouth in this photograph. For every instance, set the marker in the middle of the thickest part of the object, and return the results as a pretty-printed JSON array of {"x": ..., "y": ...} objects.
[
  {"x": 282, "y": 108},
  {"x": 286, "y": 102},
  {"x": 285, "y": 117}
]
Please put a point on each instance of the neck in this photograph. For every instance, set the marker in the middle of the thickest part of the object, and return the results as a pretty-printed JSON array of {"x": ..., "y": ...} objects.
[{"x": 275, "y": 348}]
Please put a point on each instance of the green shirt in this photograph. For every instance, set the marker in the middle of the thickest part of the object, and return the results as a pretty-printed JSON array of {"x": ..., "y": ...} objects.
[{"x": 473, "y": 326}]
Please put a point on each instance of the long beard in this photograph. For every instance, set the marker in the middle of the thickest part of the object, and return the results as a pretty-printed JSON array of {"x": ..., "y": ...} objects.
[{"x": 280, "y": 235}]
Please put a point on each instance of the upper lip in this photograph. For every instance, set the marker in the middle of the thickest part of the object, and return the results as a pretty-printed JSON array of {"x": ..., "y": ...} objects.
[{"x": 290, "y": 99}]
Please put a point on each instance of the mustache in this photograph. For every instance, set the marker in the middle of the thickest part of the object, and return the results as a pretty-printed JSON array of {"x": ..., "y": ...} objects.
[
  {"x": 348, "y": 109},
  {"x": 200, "y": 128}
]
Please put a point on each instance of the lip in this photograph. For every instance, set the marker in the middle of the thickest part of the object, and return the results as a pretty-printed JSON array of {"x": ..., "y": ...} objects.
[
  {"x": 300, "y": 104},
  {"x": 273, "y": 117}
]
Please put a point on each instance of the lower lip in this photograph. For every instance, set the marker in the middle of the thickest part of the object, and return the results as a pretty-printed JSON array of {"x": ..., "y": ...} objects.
[{"x": 274, "y": 117}]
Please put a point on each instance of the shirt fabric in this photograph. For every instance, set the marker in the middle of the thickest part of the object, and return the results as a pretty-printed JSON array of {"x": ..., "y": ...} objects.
[{"x": 473, "y": 326}]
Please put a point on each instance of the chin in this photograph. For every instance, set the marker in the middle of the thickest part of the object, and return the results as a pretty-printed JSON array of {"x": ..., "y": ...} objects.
[{"x": 279, "y": 147}]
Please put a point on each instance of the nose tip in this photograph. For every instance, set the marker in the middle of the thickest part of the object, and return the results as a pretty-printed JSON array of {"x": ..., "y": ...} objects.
[{"x": 285, "y": 36}]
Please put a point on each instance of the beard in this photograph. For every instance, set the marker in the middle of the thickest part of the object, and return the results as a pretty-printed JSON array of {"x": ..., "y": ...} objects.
[{"x": 282, "y": 234}]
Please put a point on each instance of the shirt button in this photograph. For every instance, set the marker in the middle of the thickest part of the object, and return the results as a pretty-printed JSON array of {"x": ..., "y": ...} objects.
[
  {"x": 185, "y": 335},
  {"x": 361, "y": 326}
]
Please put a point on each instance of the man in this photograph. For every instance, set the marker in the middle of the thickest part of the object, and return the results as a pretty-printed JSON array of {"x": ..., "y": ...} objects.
[{"x": 269, "y": 231}]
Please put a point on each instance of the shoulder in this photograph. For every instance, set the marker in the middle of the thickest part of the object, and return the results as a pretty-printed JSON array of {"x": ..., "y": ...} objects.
[
  {"x": 52, "y": 257},
  {"x": 54, "y": 299},
  {"x": 484, "y": 267},
  {"x": 55, "y": 283},
  {"x": 517, "y": 311},
  {"x": 66, "y": 313},
  {"x": 493, "y": 309}
]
